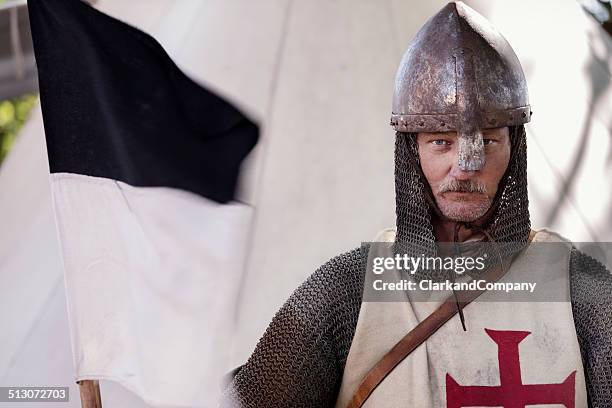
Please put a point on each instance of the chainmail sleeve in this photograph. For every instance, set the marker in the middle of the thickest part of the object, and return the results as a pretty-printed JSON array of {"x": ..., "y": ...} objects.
[
  {"x": 300, "y": 359},
  {"x": 591, "y": 292}
]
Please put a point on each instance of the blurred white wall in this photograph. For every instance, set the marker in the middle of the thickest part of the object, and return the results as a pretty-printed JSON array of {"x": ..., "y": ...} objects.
[{"x": 318, "y": 76}]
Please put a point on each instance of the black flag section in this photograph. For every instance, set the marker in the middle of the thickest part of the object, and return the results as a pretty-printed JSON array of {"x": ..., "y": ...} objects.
[{"x": 116, "y": 106}]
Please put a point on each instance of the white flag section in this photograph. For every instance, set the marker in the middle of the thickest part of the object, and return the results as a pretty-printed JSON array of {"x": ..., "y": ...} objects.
[{"x": 151, "y": 279}]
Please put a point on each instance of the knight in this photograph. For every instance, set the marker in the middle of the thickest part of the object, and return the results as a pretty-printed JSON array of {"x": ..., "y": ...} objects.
[{"x": 460, "y": 104}]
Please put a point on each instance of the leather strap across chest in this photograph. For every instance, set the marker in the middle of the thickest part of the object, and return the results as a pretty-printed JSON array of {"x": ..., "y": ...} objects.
[{"x": 417, "y": 336}]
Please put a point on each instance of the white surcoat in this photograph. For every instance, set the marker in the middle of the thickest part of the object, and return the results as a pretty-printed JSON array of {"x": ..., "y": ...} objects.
[{"x": 513, "y": 354}]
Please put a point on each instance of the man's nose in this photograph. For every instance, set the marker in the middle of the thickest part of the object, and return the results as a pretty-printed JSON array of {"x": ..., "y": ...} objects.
[{"x": 459, "y": 174}]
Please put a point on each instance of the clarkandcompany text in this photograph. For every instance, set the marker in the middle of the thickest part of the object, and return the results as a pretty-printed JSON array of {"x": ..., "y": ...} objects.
[{"x": 429, "y": 285}]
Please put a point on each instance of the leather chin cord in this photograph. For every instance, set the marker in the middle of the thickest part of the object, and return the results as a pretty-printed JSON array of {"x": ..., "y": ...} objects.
[
  {"x": 455, "y": 244},
  {"x": 489, "y": 238}
]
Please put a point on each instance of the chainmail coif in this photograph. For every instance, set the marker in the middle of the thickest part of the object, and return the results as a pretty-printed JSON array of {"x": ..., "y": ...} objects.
[{"x": 415, "y": 206}]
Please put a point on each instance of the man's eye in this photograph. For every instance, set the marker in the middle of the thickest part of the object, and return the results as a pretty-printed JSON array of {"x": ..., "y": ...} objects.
[
  {"x": 487, "y": 142},
  {"x": 440, "y": 142}
]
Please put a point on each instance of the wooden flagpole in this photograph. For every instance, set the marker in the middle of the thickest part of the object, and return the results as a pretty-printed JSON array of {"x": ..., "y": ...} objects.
[{"x": 90, "y": 394}]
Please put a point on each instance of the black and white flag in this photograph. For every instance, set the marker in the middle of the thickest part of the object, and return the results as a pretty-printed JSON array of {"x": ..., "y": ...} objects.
[{"x": 144, "y": 166}]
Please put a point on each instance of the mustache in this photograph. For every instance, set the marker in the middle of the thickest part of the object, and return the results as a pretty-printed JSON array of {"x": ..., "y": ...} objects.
[{"x": 461, "y": 186}]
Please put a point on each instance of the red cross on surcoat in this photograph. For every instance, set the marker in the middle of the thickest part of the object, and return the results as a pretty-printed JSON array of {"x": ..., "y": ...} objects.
[{"x": 512, "y": 393}]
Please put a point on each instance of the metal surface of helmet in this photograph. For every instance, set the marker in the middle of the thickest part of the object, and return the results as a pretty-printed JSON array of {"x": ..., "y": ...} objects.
[{"x": 460, "y": 74}]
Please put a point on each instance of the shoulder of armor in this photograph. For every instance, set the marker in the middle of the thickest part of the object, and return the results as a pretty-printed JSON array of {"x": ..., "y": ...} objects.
[
  {"x": 330, "y": 299},
  {"x": 335, "y": 288},
  {"x": 583, "y": 266},
  {"x": 300, "y": 358},
  {"x": 591, "y": 295},
  {"x": 345, "y": 269}
]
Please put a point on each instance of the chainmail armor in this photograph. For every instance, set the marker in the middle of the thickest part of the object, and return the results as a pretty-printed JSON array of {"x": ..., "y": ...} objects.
[
  {"x": 300, "y": 359},
  {"x": 591, "y": 289}
]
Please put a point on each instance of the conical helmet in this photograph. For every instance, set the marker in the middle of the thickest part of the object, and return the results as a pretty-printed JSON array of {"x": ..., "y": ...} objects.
[{"x": 460, "y": 74}]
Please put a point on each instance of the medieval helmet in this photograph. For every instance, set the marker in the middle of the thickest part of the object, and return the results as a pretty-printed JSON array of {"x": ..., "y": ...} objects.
[{"x": 459, "y": 74}]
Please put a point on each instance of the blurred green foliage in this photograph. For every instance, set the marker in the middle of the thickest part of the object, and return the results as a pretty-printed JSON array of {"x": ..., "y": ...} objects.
[{"x": 13, "y": 114}]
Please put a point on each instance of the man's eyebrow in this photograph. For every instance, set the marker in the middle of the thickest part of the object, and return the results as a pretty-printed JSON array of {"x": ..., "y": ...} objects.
[
  {"x": 491, "y": 133},
  {"x": 439, "y": 134}
]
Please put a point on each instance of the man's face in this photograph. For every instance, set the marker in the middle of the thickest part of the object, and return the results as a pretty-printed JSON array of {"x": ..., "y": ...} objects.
[{"x": 463, "y": 195}]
